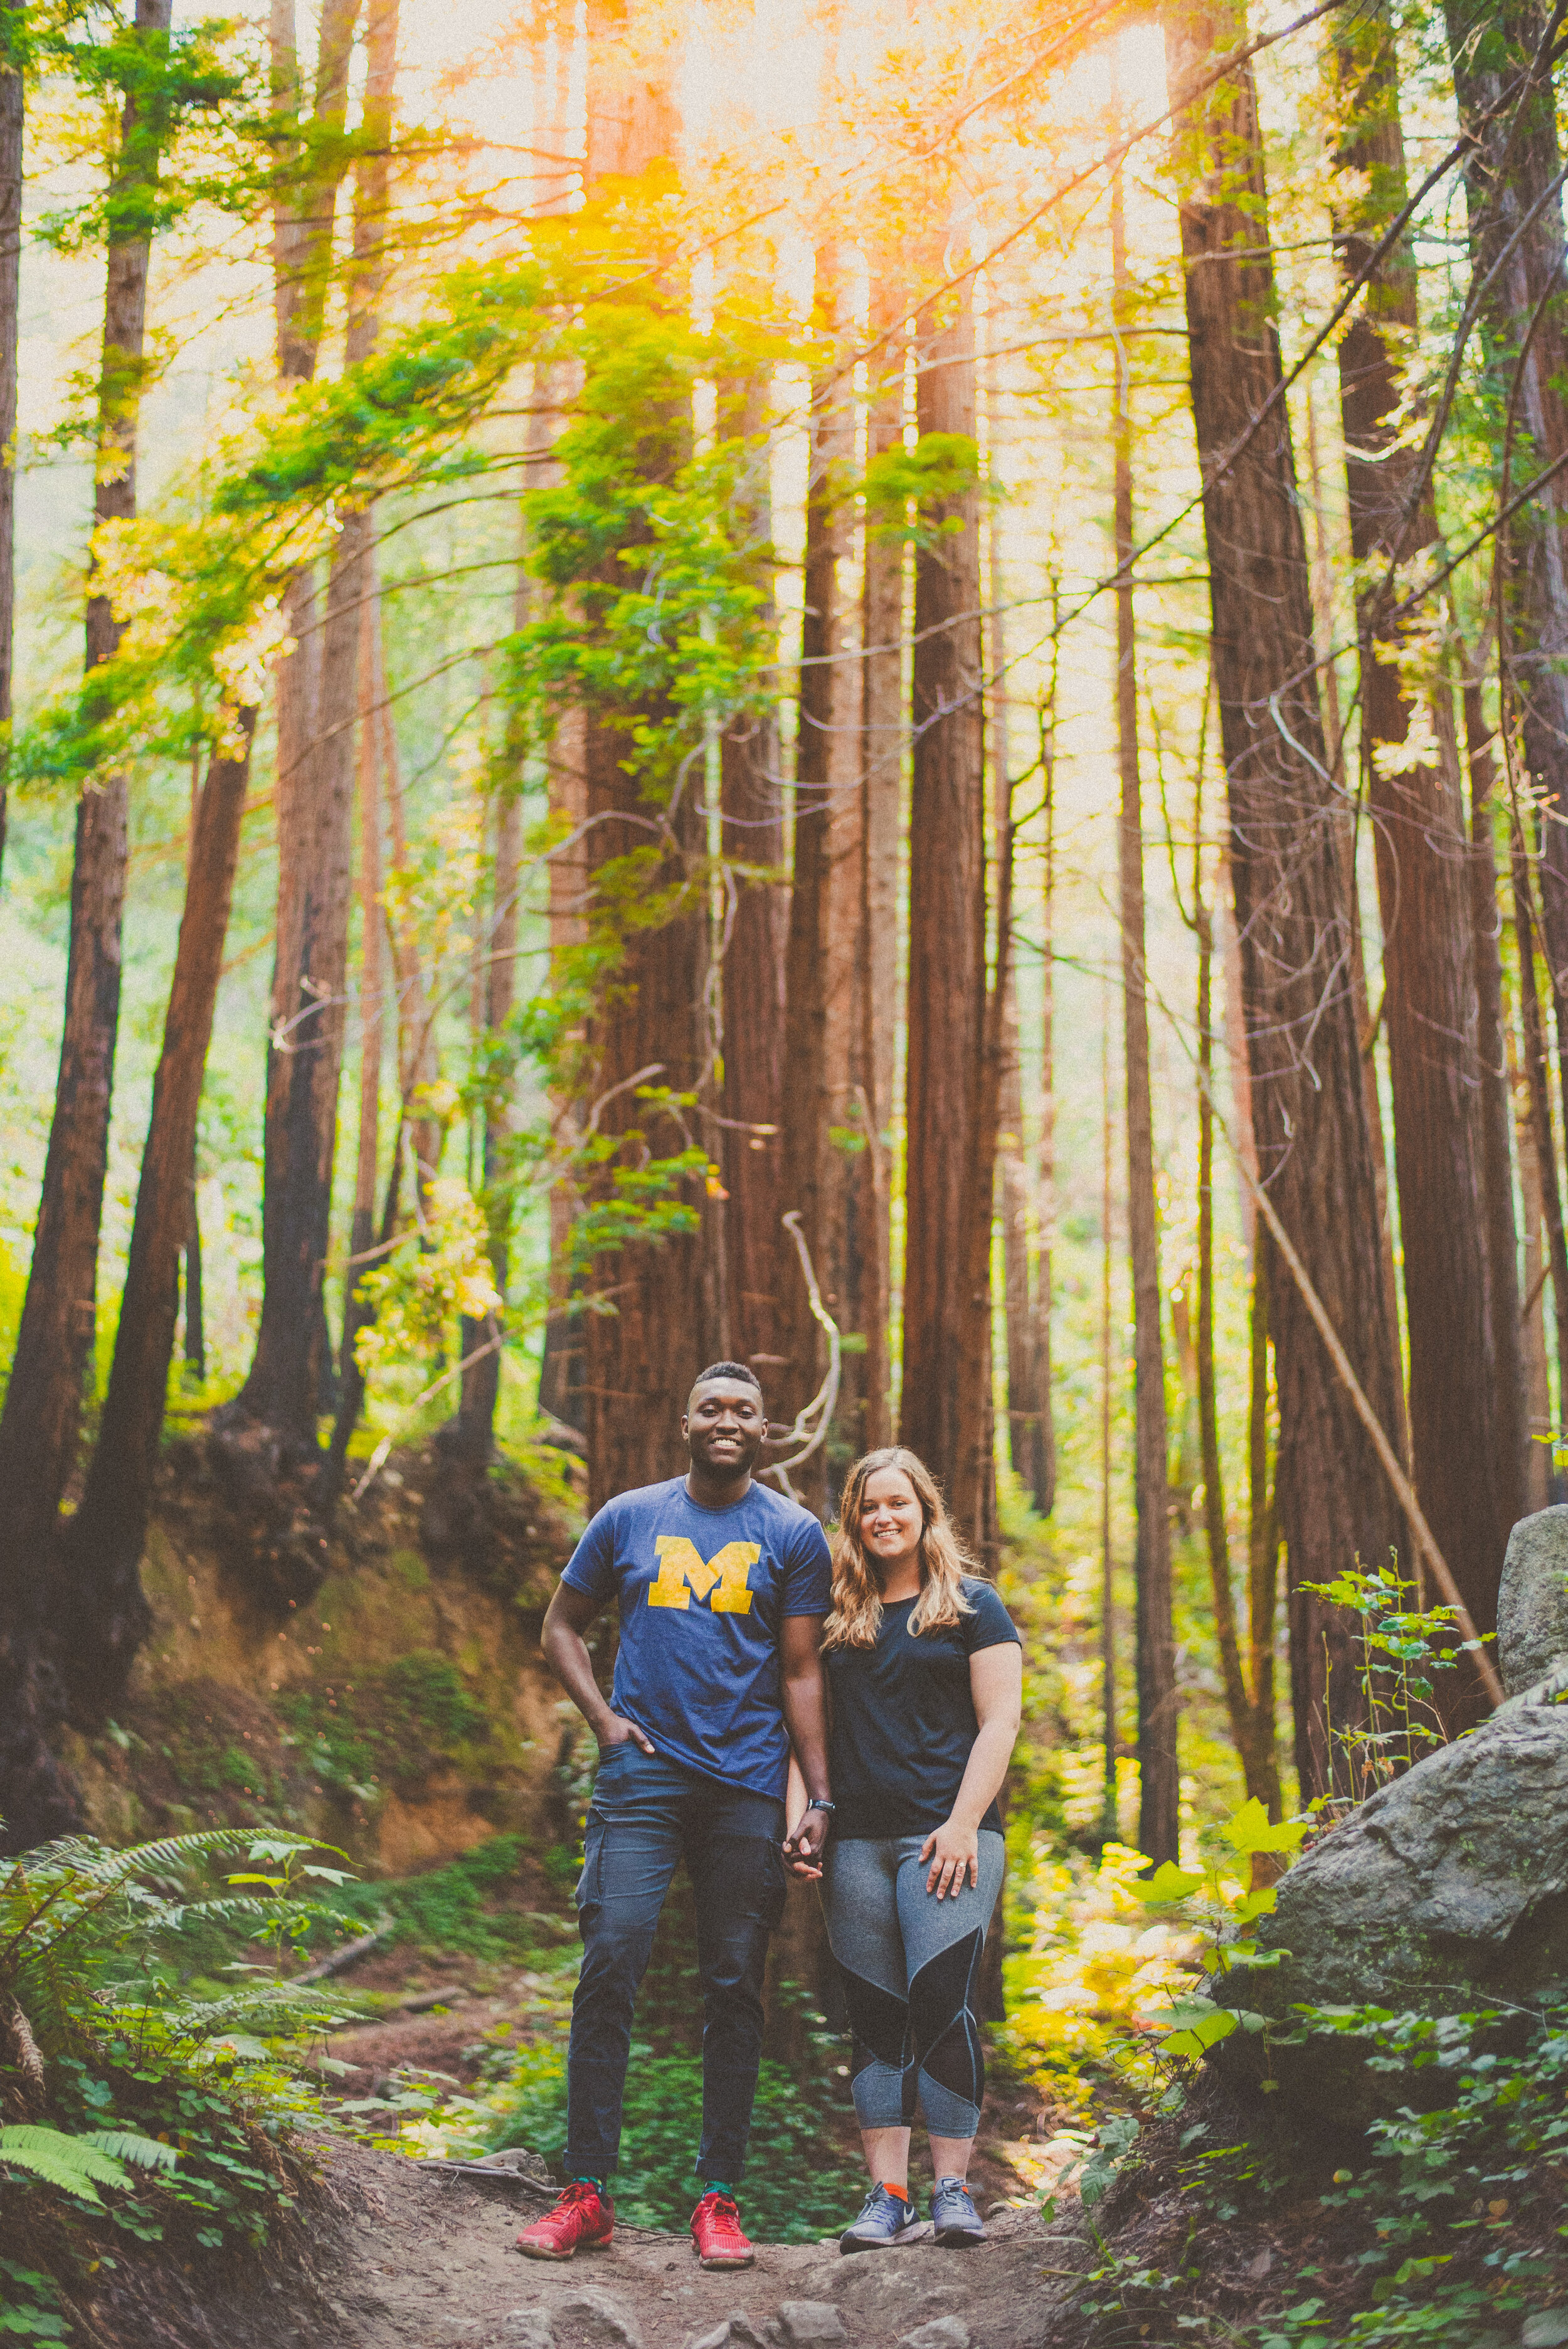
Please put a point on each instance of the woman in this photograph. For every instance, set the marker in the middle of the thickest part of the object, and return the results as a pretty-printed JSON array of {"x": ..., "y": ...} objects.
[{"x": 924, "y": 1671}]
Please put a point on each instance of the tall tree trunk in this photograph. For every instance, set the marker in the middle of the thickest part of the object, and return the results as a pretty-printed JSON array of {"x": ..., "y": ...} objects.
[
  {"x": 372, "y": 1001},
  {"x": 1308, "y": 1104},
  {"x": 1504, "y": 86},
  {"x": 643, "y": 1357},
  {"x": 12, "y": 95},
  {"x": 314, "y": 788},
  {"x": 42, "y": 1416},
  {"x": 1159, "y": 1809},
  {"x": 947, "y": 997},
  {"x": 1045, "y": 1197},
  {"x": 1496, "y": 1114},
  {"x": 1248, "y": 1685},
  {"x": 1465, "y": 1451},
  {"x": 808, "y": 1105},
  {"x": 98, "y": 1610},
  {"x": 194, "y": 1300},
  {"x": 1110, "y": 1806},
  {"x": 883, "y": 731},
  {"x": 1025, "y": 1317},
  {"x": 1537, "y": 1271},
  {"x": 752, "y": 841}
]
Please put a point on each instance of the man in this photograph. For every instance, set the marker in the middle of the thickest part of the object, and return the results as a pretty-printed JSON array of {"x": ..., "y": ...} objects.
[{"x": 722, "y": 1585}]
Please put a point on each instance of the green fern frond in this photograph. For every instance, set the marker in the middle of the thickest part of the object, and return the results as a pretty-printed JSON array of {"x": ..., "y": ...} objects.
[
  {"x": 74, "y": 2164},
  {"x": 125, "y": 2145}
]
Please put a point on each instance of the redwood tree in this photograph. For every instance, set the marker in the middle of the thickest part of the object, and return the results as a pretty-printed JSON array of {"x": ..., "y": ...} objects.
[
  {"x": 42, "y": 1414},
  {"x": 96, "y": 1602},
  {"x": 1309, "y": 1109},
  {"x": 314, "y": 782},
  {"x": 13, "y": 96},
  {"x": 939, "y": 1419},
  {"x": 1159, "y": 1810},
  {"x": 643, "y": 1355},
  {"x": 1466, "y": 1428}
]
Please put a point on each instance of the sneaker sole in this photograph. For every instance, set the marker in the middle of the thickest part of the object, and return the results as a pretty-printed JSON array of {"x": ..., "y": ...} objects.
[
  {"x": 728, "y": 2260},
  {"x": 958, "y": 2239},
  {"x": 539, "y": 2251},
  {"x": 851, "y": 2242}
]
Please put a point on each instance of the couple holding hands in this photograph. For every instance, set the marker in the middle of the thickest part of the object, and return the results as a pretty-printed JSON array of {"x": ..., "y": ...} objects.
[{"x": 847, "y": 1715}]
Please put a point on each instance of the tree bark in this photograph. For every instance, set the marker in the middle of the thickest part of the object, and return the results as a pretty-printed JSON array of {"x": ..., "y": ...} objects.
[
  {"x": 1308, "y": 1104},
  {"x": 1464, "y": 1432},
  {"x": 1026, "y": 1317},
  {"x": 751, "y": 842},
  {"x": 314, "y": 790},
  {"x": 808, "y": 1107},
  {"x": 1159, "y": 1808},
  {"x": 883, "y": 734},
  {"x": 643, "y": 1357},
  {"x": 946, "y": 986},
  {"x": 42, "y": 1416},
  {"x": 1504, "y": 89},
  {"x": 283, "y": 1388},
  {"x": 13, "y": 96},
  {"x": 98, "y": 1611},
  {"x": 1496, "y": 1118}
]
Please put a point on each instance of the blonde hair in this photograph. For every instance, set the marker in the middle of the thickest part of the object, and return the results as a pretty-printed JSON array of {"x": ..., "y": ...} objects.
[{"x": 856, "y": 1615}]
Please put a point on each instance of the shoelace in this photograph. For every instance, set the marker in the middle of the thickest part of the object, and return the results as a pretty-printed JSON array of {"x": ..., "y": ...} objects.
[
  {"x": 577, "y": 2193},
  {"x": 726, "y": 2212}
]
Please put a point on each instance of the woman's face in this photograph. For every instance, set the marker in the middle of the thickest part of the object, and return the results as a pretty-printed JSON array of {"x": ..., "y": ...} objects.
[{"x": 891, "y": 1521}]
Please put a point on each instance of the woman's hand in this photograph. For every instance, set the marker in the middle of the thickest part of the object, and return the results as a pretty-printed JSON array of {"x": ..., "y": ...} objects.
[{"x": 952, "y": 1851}]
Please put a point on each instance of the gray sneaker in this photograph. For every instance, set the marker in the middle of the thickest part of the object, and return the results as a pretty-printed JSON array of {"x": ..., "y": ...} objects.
[
  {"x": 884, "y": 2221},
  {"x": 956, "y": 2221}
]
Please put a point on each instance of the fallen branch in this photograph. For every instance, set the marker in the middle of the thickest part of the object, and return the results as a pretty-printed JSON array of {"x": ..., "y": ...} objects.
[{"x": 338, "y": 1962}]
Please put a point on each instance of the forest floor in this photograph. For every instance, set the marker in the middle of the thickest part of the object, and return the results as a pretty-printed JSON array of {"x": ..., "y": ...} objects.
[{"x": 402, "y": 2254}]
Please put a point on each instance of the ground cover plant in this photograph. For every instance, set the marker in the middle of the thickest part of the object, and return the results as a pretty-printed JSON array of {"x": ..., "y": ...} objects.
[{"x": 146, "y": 2108}]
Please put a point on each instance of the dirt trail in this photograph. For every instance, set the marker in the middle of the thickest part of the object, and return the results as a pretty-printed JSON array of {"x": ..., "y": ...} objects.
[{"x": 411, "y": 2255}]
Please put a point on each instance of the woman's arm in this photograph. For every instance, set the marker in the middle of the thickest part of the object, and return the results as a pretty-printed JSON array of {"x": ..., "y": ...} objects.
[{"x": 997, "y": 1687}]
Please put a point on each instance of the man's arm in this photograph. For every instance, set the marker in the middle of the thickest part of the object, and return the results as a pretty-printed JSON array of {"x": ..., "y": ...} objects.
[
  {"x": 569, "y": 1615},
  {"x": 806, "y": 1719}
]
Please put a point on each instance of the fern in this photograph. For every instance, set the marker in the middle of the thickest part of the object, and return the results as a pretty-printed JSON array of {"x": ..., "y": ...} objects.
[{"x": 74, "y": 2164}]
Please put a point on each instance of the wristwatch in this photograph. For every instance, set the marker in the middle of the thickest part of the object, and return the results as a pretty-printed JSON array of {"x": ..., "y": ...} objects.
[{"x": 818, "y": 1804}]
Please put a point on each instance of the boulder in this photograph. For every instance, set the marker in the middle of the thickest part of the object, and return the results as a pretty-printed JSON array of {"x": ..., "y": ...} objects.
[{"x": 1445, "y": 1892}]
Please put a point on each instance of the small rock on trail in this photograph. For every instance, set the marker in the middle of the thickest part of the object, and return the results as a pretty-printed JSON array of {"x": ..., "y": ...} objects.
[{"x": 400, "y": 2254}]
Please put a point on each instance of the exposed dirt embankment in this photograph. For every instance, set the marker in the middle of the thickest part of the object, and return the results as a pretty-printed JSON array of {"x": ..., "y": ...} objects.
[{"x": 400, "y": 1709}]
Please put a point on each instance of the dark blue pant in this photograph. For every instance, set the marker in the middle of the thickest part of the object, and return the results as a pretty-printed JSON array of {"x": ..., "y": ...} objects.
[{"x": 646, "y": 1813}]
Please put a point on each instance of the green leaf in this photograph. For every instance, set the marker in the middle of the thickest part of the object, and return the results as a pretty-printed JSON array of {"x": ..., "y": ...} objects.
[
  {"x": 1167, "y": 1885},
  {"x": 1252, "y": 1829},
  {"x": 73, "y": 2164}
]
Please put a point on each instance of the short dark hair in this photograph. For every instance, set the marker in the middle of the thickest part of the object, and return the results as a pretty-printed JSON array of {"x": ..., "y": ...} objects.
[{"x": 742, "y": 1370}]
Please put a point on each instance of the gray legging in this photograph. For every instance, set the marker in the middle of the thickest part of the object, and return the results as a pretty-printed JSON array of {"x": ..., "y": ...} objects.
[{"x": 908, "y": 1963}]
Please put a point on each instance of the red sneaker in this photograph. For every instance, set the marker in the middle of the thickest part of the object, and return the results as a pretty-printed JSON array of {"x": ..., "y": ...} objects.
[
  {"x": 583, "y": 2221},
  {"x": 716, "y": 2232}
]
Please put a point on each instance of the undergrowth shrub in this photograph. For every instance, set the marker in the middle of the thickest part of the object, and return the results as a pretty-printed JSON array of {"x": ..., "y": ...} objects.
[
  {"x": 459, "y": 1908},
  {"x": 388, "y": 1727},
  {"x": 134, "y": 2108}
]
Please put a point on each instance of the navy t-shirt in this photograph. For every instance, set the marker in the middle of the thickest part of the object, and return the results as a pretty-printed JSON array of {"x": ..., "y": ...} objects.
[
  {"x": 702, "y": 1594},
  {"x": 905, "y": 1720}
]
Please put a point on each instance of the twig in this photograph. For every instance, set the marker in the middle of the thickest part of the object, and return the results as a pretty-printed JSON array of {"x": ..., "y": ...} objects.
[
  {"x": 811, "y": 1421},
  {"x": 1404, "y": 1491}
]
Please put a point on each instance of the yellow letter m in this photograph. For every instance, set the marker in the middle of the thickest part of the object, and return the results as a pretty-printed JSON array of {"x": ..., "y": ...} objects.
[{"x": 679, "y": 1566}]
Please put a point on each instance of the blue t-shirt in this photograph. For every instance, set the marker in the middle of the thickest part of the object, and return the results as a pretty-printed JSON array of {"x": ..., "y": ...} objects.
[{"x": 702, "y": 1594}]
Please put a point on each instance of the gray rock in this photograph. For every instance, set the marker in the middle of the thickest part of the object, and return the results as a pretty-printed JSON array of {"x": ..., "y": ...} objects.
[
  {"x": 942, "y": 2333},
  {"x": 595, "y": 2318},
  {"x": 1547, "y": 2329},
  {"x": 737, "y": 2332},
  {"x": 1447, "y": 1890},
  {"x": 1533, "y": 1603},
  {"x": 530, "y": 2328},
  {"x": 805, "y": 2322}
]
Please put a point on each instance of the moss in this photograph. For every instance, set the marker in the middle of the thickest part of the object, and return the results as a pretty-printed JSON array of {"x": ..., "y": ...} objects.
[{"x": 391, "y": 1727}]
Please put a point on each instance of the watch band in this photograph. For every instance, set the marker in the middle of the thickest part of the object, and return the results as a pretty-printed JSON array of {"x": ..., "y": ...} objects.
[{"x": 818, "y": 1804}]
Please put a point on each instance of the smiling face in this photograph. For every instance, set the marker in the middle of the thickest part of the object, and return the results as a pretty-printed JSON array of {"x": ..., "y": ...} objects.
[
  {"x": 724, "y": 1426},
  {"x": 891, "y": 1520}
]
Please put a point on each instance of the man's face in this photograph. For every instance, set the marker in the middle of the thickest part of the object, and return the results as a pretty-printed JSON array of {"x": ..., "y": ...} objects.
[{"x": 723, "y": 1425}]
